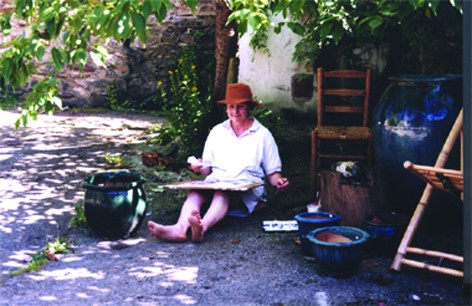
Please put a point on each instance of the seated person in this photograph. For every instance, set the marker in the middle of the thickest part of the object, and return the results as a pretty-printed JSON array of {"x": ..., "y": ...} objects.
[{"x": 238, "y": 149}]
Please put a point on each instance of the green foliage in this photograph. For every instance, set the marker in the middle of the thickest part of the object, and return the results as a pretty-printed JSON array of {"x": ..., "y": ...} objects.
[
  {"x": 79, "y": 220},
  {"x": 266, "y": 117},
  {"x": 57, "y": 246},
  {"x": 116, "y": 160},
  {"x": 423, "y": 28},
  {"x": 39, "y": 260},
  {"x": 186, "y": 106},
  {"x": 115, "y": 104},
  {"x": 8, "y": 102},
  {"x": 44, "y": 97},
  {"x": 82, "y": 27}
]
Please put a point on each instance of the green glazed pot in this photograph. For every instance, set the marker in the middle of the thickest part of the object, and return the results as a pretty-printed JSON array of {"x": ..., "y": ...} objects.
[
  {"x": 338, "y": 248},
  {"x": 115, "y": 203}
]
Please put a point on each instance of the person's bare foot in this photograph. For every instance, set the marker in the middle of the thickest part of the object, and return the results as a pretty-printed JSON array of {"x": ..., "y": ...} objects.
[
  {"x": 195, "y": 221},
  {"x": 169, "y": 232}
]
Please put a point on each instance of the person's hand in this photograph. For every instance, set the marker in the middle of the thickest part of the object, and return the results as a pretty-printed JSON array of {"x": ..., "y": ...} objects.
[
  {"x": 199, "y": 166},
  {"x": 282, "y": 183}
]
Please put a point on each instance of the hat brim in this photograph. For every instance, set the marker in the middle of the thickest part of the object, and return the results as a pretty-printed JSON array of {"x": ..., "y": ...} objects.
[{"x": 238, "y": 101}]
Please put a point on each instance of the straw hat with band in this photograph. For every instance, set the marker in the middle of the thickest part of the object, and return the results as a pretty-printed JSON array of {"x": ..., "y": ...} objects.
[{"x": 238, "y": 93}]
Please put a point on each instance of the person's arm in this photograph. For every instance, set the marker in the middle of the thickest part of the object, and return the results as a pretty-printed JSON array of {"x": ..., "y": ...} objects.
[{"x": 277, "y": 180}]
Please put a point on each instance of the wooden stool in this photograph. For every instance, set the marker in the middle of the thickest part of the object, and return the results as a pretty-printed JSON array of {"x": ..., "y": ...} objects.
[{"x": 353, "y": 203}]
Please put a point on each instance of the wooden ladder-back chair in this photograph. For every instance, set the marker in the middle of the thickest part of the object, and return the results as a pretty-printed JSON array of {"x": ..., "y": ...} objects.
[
  {"x": 343, "y": 113},
  {"x": 437, "y": 178}
]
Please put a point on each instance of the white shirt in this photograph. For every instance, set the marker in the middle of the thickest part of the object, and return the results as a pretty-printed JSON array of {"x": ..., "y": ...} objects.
[{"x": 250, "y": 157}]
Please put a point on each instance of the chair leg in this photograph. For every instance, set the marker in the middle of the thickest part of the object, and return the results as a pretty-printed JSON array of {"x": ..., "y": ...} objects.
[
  {"x": 369, "y": 154},
  {"x": 314, "y": 163}
]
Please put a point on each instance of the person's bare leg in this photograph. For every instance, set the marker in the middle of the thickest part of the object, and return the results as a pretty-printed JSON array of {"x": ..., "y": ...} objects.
[
  {"x": 167, "y": 232},
  {"x": 216, "y": 212},
  {"x": 195, "y": 221},
  {"x": 178, "y": 231}
]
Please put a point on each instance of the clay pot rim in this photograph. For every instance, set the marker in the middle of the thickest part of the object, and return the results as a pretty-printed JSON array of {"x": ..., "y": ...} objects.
[
  {"x": 329, "y": 217},
  {"x": 364, "y": 236}
]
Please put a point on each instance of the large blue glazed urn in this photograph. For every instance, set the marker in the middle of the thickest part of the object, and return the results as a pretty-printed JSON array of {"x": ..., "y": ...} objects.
[{"x": 411, "y": 122}]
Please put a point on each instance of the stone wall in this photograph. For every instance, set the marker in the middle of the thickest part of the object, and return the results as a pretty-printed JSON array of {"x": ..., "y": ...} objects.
[{"x": 133, "y": 69}]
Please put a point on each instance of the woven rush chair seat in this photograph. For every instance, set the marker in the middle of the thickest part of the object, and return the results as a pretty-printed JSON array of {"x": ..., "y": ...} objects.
[{"x": 344, "y": 132}]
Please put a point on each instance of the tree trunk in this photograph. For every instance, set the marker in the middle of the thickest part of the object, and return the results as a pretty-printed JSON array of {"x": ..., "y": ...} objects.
[{"x": 226, "y": 46}]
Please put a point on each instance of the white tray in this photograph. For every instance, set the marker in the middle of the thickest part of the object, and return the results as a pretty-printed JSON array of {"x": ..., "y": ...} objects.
[{"x": 280, "y": 226}]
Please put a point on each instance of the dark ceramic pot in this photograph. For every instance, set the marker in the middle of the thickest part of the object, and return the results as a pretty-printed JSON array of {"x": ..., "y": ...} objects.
[
  {"x": 115, "y": 203},
  {"x": 338, "y": 248},
  {"x": 386, "y": 230},
  {"x": 411, "y": 122},
  {"x": 309, "y": 221}
]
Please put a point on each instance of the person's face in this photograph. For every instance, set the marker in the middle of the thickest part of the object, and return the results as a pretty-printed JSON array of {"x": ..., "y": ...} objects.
[{"x": 238, "y": 111}]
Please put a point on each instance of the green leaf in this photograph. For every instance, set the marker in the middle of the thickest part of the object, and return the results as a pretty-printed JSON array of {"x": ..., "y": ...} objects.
[
  {"x": 296, "y": 6},
  {"x": 80, "y": 56},
  {"x": 242, "y": 27},
  {"x": 433, "y": 4},
  {"x": 234, "y": 16},
  {"x": 254, "y": 21},
  {"x": 337, "y": 32},
  {"x": 57, "y": 58},
  {"x": 278, "y": 27},
  {"x": 375, "y": 22},
  {"x": 38, "y": 50},
  {"x": 122, "y": 29},
  {"x": 325, "y": 30},
  {"x": 139, "y": 23},
  {"x": 51, "y": 27},
  {"x": 146, "y": 9},
  {"x": 161, "y": 13},
  {"x": 192, "y": 4},
  {"x": 5, "y": 23},
  {"x": 156, "y": 5},
  {"x": 296, "y": 28}
]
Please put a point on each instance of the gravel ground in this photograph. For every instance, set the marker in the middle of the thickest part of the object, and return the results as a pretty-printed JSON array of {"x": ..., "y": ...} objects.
[{"x": 41, "y": 171}]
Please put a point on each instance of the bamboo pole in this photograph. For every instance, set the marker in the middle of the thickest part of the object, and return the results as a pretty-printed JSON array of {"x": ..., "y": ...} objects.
[
  {"x": 423, "y": 202},
  {"x": 437, "y": 254},
  {"x": 422, "y": 265}
]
